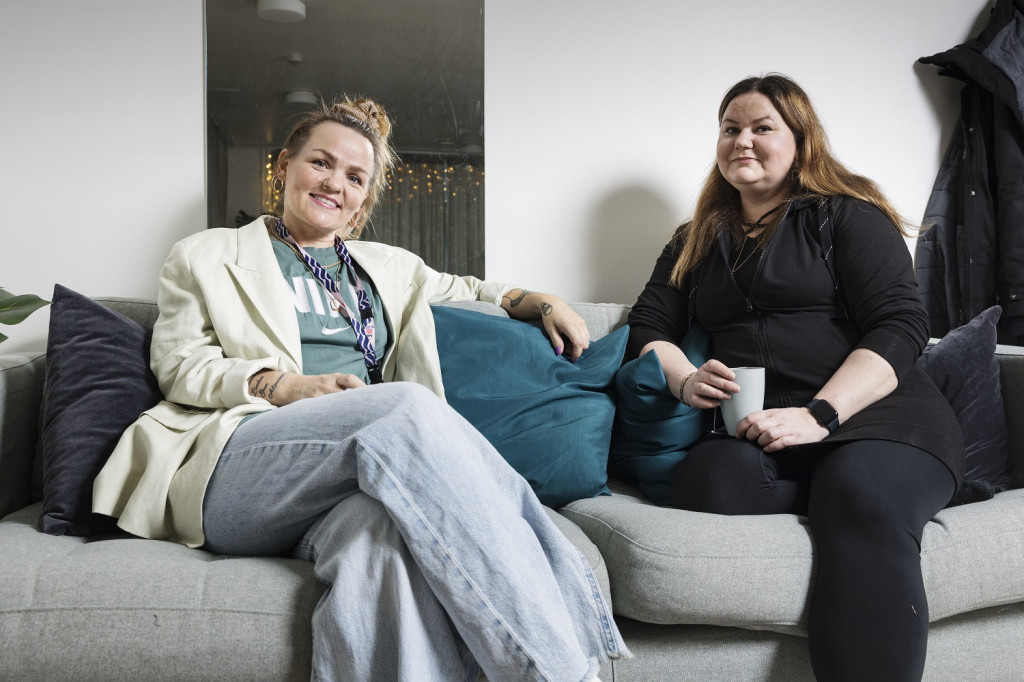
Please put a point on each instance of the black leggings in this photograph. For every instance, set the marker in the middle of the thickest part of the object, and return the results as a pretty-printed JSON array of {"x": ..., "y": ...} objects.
[{"x": 867, "y": 503}]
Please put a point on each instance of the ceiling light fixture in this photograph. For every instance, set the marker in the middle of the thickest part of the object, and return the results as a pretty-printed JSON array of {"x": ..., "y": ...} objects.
[
  {"x": 281, "y": 10},
  {"x": 301, "y": 97}
]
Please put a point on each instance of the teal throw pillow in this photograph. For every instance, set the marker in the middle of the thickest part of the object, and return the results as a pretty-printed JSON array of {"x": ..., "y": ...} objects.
[
  {"x": 551, "y": 419},
  {"x": 654, "y": 430}
]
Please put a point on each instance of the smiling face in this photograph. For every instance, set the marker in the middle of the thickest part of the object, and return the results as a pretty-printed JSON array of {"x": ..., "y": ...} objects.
[
  {"x": 756, "y": 149},
  {"x": 326, "y": 182}
]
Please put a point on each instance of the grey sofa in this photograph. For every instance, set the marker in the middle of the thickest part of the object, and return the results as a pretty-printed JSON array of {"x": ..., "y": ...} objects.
[{"x": 698, "y": 597}]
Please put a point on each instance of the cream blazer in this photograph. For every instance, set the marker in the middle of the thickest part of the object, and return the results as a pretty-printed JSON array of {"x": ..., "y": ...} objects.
[{"x": 225, "y": 313}]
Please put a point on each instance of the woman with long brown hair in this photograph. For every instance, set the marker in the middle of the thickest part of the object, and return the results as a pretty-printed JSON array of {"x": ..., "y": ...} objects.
[{"x": 796, "y": 264}]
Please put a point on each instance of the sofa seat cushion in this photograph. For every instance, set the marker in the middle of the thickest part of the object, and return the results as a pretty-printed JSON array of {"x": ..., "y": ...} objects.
[
  {"x": 669, "y": 566},
  {"x": 68, "y": 606}
]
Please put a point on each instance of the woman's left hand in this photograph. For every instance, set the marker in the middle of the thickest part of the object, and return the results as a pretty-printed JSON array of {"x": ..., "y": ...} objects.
[{"x": 781, "y": 428}]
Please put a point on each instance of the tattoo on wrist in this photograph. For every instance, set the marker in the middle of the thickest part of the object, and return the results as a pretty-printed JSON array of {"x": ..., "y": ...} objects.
[
  {"x": 545, "y": 308},
  {"x": 514, "y": 302}
]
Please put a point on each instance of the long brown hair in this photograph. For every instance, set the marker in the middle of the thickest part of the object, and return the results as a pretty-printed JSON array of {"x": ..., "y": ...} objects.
[
  {"x": 815, "y": 172},
  {"x": 366, "y": 117}
]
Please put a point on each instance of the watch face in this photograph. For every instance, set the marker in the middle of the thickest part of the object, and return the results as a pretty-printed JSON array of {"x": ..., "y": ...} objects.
[{"x": 824, "y": 413}]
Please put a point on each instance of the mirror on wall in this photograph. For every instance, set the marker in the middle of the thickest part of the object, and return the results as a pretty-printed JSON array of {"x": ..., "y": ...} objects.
[{"x": 421, "y": 59}]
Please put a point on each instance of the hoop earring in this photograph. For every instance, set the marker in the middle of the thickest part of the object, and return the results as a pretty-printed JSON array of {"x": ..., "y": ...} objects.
[{"x": 277, "y": 184}]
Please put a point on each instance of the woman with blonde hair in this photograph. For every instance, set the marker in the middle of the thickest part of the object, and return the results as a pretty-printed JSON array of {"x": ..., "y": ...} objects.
[
  {"x": 795, "y": 264},
  {"x": 304, "y": 417}
]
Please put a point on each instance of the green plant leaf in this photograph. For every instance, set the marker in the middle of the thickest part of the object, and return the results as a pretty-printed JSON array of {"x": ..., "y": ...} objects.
[{"x": 15, "y": 308}]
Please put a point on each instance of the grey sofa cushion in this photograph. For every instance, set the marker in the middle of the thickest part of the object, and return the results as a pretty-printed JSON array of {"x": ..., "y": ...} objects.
[
  {"x": 70, "y": 606},
  {"x": 971, "y": 556},
  {"x": 980, "y": 645},
  {"x": 602, "y": 318},
  {"x": 587, "y": 548},
  {"x": 670, "y": 566}
]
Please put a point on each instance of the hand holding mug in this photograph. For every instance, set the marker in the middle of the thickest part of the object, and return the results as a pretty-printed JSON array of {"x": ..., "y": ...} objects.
[
  {"x": 749, "y": 398},
  {"x": 707, "y": 386}
]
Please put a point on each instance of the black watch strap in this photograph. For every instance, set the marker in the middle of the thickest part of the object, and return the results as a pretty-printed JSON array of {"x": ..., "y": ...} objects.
[{"x": 824, "y": 414}]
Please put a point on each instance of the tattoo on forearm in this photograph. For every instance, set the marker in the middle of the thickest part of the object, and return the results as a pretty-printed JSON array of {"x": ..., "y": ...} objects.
[
  {"x": 261, "y": 388},
  {"x": 257, "y": 389},
  {"x": 545, "y": 308},
  {"x": 513, "y": 302},
  {"x": 270, "y": 394}
]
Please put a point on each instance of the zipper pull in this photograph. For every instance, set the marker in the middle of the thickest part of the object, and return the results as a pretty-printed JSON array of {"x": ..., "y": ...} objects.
[{"x": 750, "y": 306}]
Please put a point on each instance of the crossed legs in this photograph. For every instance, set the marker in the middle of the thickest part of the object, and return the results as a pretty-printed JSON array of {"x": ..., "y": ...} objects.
[{"x": 431, "y": 546}]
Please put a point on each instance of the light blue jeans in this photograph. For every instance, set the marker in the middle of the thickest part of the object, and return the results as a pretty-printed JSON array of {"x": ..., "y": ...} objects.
[{"x": 438, "y": 557}]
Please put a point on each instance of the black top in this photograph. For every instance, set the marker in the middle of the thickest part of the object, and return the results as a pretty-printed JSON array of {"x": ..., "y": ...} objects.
[{"x": 835, "y": 276}]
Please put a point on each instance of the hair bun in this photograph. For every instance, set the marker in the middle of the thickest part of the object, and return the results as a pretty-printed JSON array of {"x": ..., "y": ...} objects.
[{"x": 372, "y": 114}]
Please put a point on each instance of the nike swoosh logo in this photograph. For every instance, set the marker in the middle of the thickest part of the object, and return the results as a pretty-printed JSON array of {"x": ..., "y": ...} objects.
[{"x": 328, "y": 332}]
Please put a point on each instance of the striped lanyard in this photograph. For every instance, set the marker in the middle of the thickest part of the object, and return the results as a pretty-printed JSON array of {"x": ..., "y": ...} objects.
[{"x": 361, "y": 325}]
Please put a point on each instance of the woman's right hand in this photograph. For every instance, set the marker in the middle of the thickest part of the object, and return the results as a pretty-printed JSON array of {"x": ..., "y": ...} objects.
[
  {"x": 281, "y": 388},
  {"x": 708, "y": 386}
]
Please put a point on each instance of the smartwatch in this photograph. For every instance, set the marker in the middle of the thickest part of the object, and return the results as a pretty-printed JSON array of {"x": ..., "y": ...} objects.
[{"x": 824, "y": 414}]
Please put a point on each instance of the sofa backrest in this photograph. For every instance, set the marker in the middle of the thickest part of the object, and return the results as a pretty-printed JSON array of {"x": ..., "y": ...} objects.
[
  {"x": 21, "y": 403},
  {"x": 143, "y": 311},
  {"x": 603, "y": 318}
]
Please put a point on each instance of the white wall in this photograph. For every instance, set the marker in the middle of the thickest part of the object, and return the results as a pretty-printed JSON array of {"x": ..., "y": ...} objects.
[
  {"x": 102, "y": 136},
  {"x": 600, "y": 127},
  {"x": 601, "y": 116}
]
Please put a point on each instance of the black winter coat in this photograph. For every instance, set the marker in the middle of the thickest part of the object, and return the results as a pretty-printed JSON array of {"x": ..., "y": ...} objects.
[
  {"x": 835, "y": 276},
  {"x": 973, "y": 255}
]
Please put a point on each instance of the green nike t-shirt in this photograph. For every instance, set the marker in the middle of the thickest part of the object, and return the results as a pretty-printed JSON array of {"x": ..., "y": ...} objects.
[{"x": 328, "y": 341}]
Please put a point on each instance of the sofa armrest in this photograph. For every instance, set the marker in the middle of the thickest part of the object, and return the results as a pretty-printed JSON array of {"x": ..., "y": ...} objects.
[
  {"x": 21, "y": 393},
  {"x": 1011, "y": 376}
]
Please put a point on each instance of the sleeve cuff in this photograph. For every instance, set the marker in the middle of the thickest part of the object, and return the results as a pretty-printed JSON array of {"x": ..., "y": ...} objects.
[
  {"x": 236, "y": 381},
  {"x": 894, "y": 348}
]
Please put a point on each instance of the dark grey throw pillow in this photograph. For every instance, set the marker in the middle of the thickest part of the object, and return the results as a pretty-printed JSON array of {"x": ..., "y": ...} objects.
[
  {"x": 98, "y": 381},
  {"x": 964, "y": 367}
]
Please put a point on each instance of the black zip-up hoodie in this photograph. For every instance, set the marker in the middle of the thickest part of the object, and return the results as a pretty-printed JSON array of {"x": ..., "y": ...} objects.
[{"x": 836, "y": 275}]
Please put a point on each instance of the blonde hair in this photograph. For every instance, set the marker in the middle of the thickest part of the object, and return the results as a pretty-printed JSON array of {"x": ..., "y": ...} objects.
[
  {"x": 368, "y": 118},
  {"x": 815, "y": 172}
]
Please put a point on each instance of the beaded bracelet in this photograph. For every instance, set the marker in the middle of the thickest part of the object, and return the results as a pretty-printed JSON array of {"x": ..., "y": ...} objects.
[{"x": 682, "y": 388}]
